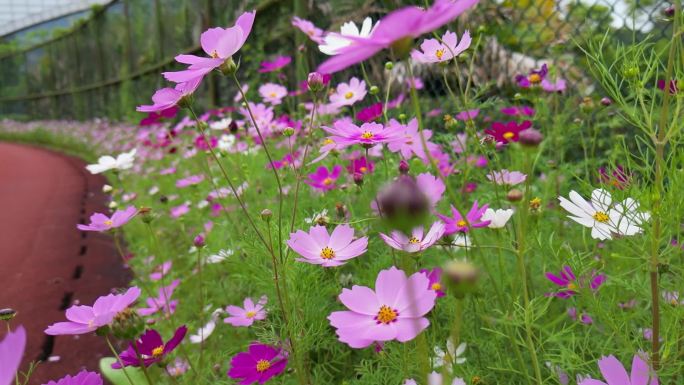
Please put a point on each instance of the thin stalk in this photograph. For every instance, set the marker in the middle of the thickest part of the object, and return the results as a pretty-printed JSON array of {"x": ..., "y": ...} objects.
[{"x": 118, "y": 359}]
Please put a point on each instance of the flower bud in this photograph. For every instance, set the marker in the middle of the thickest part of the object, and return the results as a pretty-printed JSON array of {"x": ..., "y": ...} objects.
[
  {"x": 341, "y": 210},
  {"x": 233, "y": 127},
  {"x": 146, "y": 214},
  {"x": 127, "y": 325},
  {"x": 404, "y": 167},
  {"x": 315, "y": 82},
  {"x": 107, "y": 189},
  {"x": 514, "y": 195},
  {"x": 606, "y": 101},
  {"x": 202, "y": 126},
  {"x": 199, "y": 241},
  {"x": 374, "y": 90},
  {"x": 402, "y": 117},
  {"x": 358, "y": 178},
  {"x": 288, "y": 131},
  {"x": 587, "y": 104},
  {"x": 630, "y": 72},
  {"x": 228, "y": 67},
  {"x": 462, "y": 277},
  {"x": 7, "y": 314},
  {"x": 113, "y": 205},
  {"x": 266, "y": 214},
  {"x": 389, "y": 65},
  {"x": 530, "y": 137}
]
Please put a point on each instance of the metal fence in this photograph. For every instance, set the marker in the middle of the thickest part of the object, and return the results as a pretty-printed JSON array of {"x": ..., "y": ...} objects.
[{"x": 111, "y": 62}]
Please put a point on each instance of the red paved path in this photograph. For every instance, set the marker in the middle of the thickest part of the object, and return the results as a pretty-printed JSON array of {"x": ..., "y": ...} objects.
[{"x": 46, "y": 264}]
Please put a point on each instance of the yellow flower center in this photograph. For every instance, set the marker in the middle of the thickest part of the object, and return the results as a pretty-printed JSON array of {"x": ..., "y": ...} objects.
[
  {"x": 439, "y": 53},
  {"x": 600, "y": 216},
  {"x": 262, "y": 366},
  {"x": 327, "y": 253},
  {"x": 108, "y": 222},
  {"x": 508, "y": 135},
  {"x": 328, "y": 141},
  {"x": 158, "y": 351},
  {"x": 673, "y": 302},
  {"x": 414, "y": 240},
  {"x": 363, "y": 169},
  {"x": 214, "y": 54},
  {"x": 462, "y": 223},
  {"x": 272, "y": 94},
  {"x": 327, "y": 181},
  {"x": 436, "y": 286},
  {"x": 534, "y": 78},
  {"x": 250, "y": 314},
  {"x": 367, "y": 135},
  {"x": 535, "y": 203},
  {"x": 386, "y": 315},
  {"x": 349, "y": 95},
  {"x": 571, "y": 286}
]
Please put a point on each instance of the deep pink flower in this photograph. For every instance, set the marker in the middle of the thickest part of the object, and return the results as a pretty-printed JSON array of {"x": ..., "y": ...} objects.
[
  {"x": 458, "y": 223},
  {"x": 162, "y": 302},
  {"x": 345, "y": 133},
  {"x": 168, "y": 98},
  {"x": 571, "y": 284},
  {"x": 287, "y": 161},
  {"x": 534, "y": 78},
  {"x": 246, "y": 315},
  {"x": 259, "y": 364},
  {"x": 397, "y": 27},
  {"x": 86, "y": 319},
  {"x": 346, "y": 94},
  {"x": 220, "y": 44},
  {"x": 360, "y": 165},
  {"x": 435, "y": 51},
  {"x": 323, "y": 179},
  {"x": 507, "y": 178},
  {"x": 82, "y": 378},
  {"x": 314, "y": 33},
  {"x": 673, "y": 88},
  {"x": 11, "y": 351},
  {"x": 418, "y": 241},
  {"x": 275, "y": 65},
  {"x": 507, "y": 132},
  {"x": 618, "y": 178},
  {"x": 435, "y": 280},
  {"x": 151, "y": 347},
  {"x": 156, "y": 117},
  {"x": 394, "y": 311},
  {"x": 272, "y": 93},
  {"x": 518, "y": 111},
  {"x": 189, "y": 181},
  {"x": 370, "y": 113},
  {"x": 615, "y": 373},
  {"x": 201, "y": 142},
  {"x": 409, "y": 142},
  {"x": 100, "y": 222},
  {"x": 328, "y": 250}
]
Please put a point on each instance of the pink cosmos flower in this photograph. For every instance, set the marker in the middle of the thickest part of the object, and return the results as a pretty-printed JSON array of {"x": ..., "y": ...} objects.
[
  {"x": 168, "y": 98},
  {"x": 533, "y": 78},
  {"x": 275, "y": 65},
  {"x": 507, "y": 132},
  {"x": 581, "y": 317},
  {"x": 286, "y": 161},
  {"x": 507, "y": 178},
  {"x": 463, "y": 224},
  {"x": 397, "y": 27},
  {"x": 360, "y": 165},
  {"x": 259, "y": 364},
  {"x": 328, "y": 250},
  {"x": 82, "y": 378},
  {"x": 370, "y": 113},
  {"x": 467, "y": 115},
  {"x": 432, "y": 187},
  {"x": 151, "y": 347},
  {"x": 344, "y": 133},
  {"x": 86, "y": 319},
  {"x": 11, "y": 351},
  {"x": 314, "y": 33},
  {"x": 418, "y": 241},
  {"x": 162, "y": 302},
  {"x": 409, "y": 142},
  {"x": 394, "y": 311},
  {"x": 518, "y": 111},
  {"x": 347, "y": 94},
  {"x": 434, "y": 51},
  {"x": 558, "y": 86},
  {"x": 323, "y": 179},
  {"x": 219, "y": 44},
  {"x": 272, "y": 93},
  {"x": 618, "y": 178},
  {"x": 435, "y": 280},
  {"x": 161, "y": 271},
  {"x": 615, "y": 373},
  {"x": 179, "y": 211},
  {"x": 571, "y": 284},
  {"x": 100, "y": 222},
  {"x": 189, "y": 181},
  {"x": 177, "y": 367},
  {"x": 245, "y": 316},
  {"x": 459, "y": 144}
]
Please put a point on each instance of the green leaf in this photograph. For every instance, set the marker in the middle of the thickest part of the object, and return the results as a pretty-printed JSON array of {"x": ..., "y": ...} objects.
[{"x": 117, "y": 376}]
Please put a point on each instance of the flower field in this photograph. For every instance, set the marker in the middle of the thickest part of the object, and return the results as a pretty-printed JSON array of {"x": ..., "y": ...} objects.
[{"x": 349, "y": 229}]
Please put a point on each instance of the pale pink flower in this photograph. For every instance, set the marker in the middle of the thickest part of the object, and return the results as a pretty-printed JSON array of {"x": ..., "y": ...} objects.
[
  {"x": 418, "y": 241},
  {"x": 272, "y": 93},
  {"x": 434, "y": 51},
  {"x": 328, "y": 250},
  {"x": 347, "y": 94},
  {"x": 246, "y": 315}
]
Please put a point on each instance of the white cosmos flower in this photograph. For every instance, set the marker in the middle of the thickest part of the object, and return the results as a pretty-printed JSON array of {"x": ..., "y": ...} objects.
[
  {"x": 453, "y": 355},
  {"x": 205, "y": 331},
  {"x": 602, "y": 216},
  {"x": 222, "y": 124},
  {"x": 334, "y": 42},
  {"x": 498, "y": 218},
  {"x": 123, "y": 161},
  {"x": 221, "y": 256},
  {"x": 226, "y": 142}
]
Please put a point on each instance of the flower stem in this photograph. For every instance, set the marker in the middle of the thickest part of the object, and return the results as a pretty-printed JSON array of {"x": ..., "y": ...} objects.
[{"x": 118, "y": 359}]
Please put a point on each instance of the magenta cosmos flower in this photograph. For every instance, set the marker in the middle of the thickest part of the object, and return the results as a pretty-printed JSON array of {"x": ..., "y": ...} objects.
[
  {"x": 394, "y": 311},
  {"x": 323, "y": 179},
  {"x": 168, "y": 98},
  {"x": 396, "y": 29},
  {"x": 151, "y": 347},
  {"x": 409, "y": 142},
  {"x": 615, "y": 374},
  {"x": 272, "y": 93},
  {"x": 346, "y": 94},
  {"x": 275, "y": 65},
  {"x": 162, "y": 302},
  {"x": 86, "y": 319},
  {"x": 534, "y": 78},
  {"x": 508, "y": 132},
  {"x": 461, "y": 224},
  {"x": 518, "y": 111},
  {"x": 259, "y": 364},
  {"x": 328, "y": 250},
  {"x": 505, "y": 177},
  {"x": 434, "y": 280},
  {"x": 418, "y": 241},
  {"x": 245, "y": 316},
  {"x": 571, "y": 284},
  {"x": 82, "y": 378},
  {"x": 434, "y": 51},
  {"x": 11, "y": 351},
  {"x": 314, "y": 33},
  {"x": 360, "y": 165},
  {"x": 370, "y": 113},
  {"x": 100, "y": 222},
  {"x": 345, "y": 133},
  {"x": 220, "y": 44}
]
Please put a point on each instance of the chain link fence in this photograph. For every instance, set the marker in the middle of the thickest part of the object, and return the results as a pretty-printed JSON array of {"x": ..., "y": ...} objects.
[{"x": 107, "y": 64}]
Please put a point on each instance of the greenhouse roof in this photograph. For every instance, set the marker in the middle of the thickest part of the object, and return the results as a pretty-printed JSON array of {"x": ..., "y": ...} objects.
[{"x": 19, "y": 14}]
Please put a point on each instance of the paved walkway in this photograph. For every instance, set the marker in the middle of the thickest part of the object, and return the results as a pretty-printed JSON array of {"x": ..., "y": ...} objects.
[{"x": 46, "y": 264}]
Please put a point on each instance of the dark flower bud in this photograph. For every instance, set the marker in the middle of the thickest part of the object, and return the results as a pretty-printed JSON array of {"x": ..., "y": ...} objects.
[
  {"x": 606, "y": 101},
  {"x": 233, "y": 127},
  {"x": 669, "y": 11},
  {"x": 514, "y": 195},
  {"x": 163, "y": 199},
  {"x": 403, "y": 167},
  {"x": 530, "y": 137},
  {"x": 199, "y": 241},
  {"x": 315, "y": 82},
  {"x": 358, "y": 178}
]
